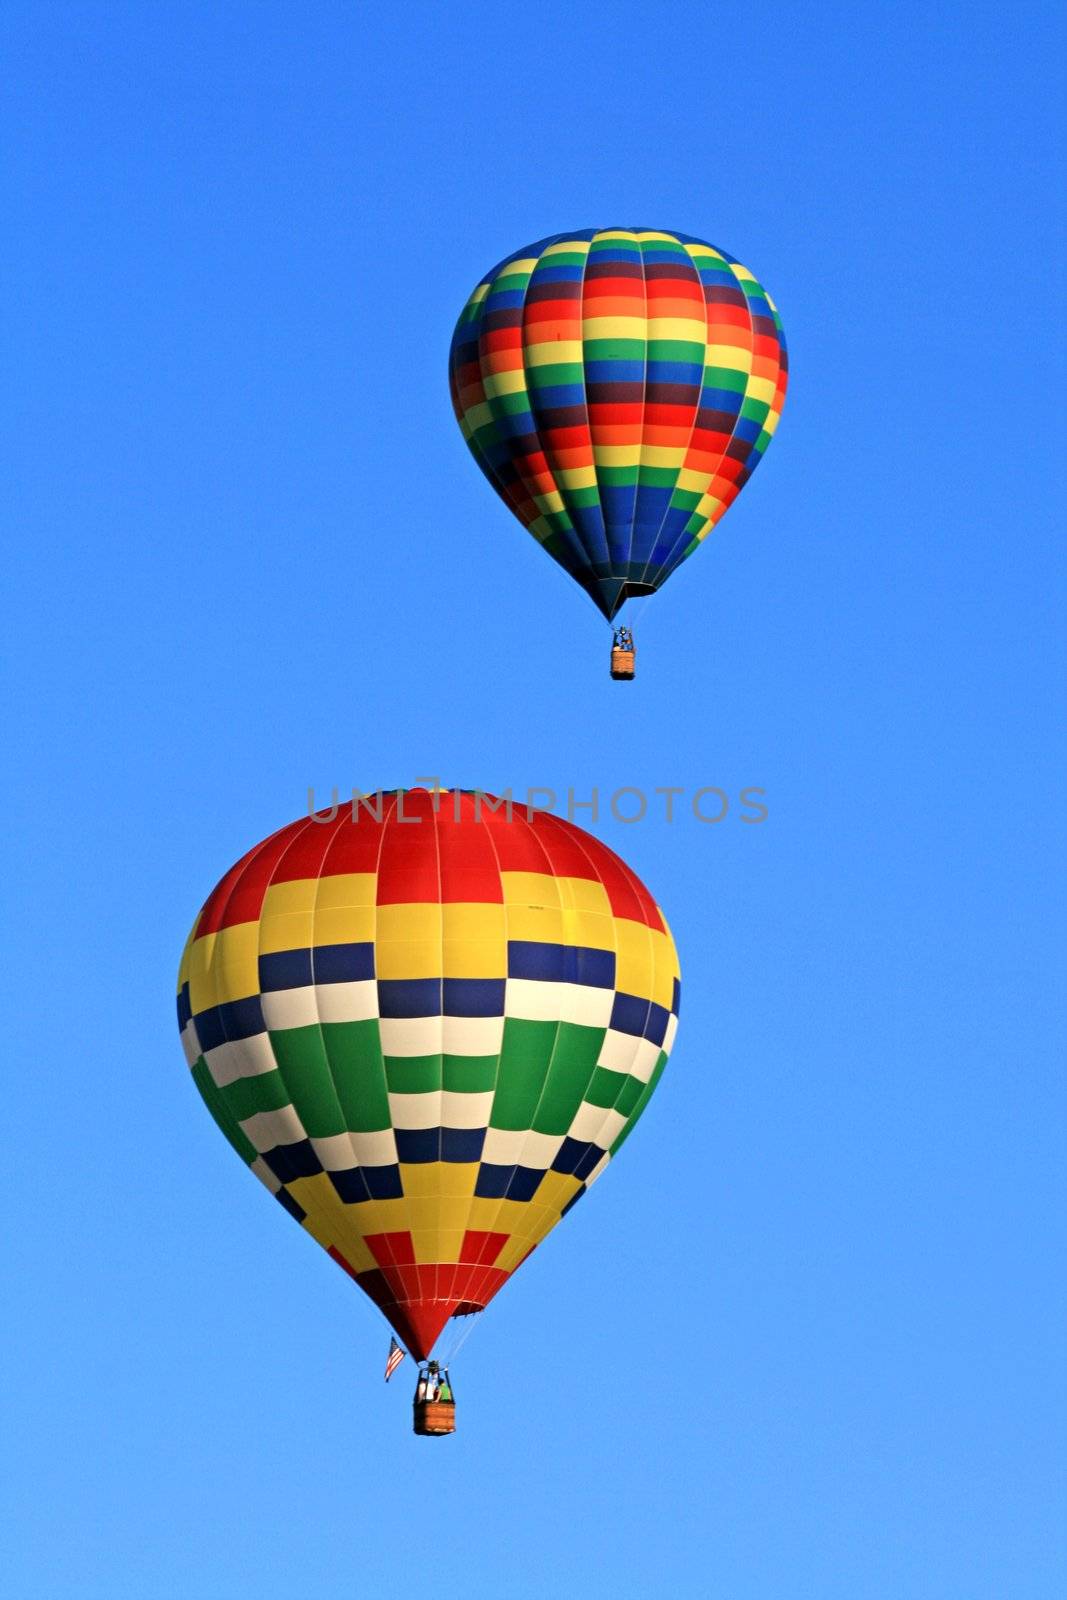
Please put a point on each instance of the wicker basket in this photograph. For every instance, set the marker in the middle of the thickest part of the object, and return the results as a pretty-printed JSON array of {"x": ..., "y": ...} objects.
[
  {"x": 435, "y": 1417},
  {"x": 622, "y": 664}
]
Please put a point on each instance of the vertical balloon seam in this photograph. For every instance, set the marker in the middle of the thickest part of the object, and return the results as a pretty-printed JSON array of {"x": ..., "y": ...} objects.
[
  {"x": 646, "y": 448},
  {"x": 687, "y": 536},
  {"x": 585, "y": 397},
  {"x": 558, "y": 1037},
  {"x": 298, "y": 1106},
  {"x": 517, "y": 463},
  {"x": 683, "y": 535},
  {"x": 434, "y": 1278},
  {"x": 596, "y": 442},
  {"x": 716, "y": 471},
  {"x": 664, "y": 1048},
  {"x": 507, "y": 1196},
  {"x": 632, "y": 238},
  {"x": 749, "y": 288},
  {"x": 502, "y": 1071},
  {"x": 572, "y": 531},
  {"x": 544, "y": 436},
  {"x": 773, "y": 412},
  {"x": 651, "y": 986},
  {"x": 603, "y": 1127},
  {"x": 382, "y": 1256},
  {"x": 527, "y": 511},
  {"x": 557, "y": 1040},
  {"x": 735, "y": 434},
  {"x": 733, "y": 264},
  {"x": 385, "y": 1239},
  {"x": 336, "y": 1233},
  {"x": 594, "y": 867},
  {"x": 291, "y": 1114},
  {"x": 594, "y": 589},
  {"x": 429, "y": 1280},
  {"x": 541, "y": 500},
  {"x": 638, "y": 890},
  {"x": 642, "y": 242},
  {"x": 594, "y": 540},
  {"x": 488, "y": 831},
  {"x": 549, "y": 828},
  {"x": 209, "y": 1090},
  {"x": 400, "y": 817},
  {"x": 493, "y": 474},
  {"x": 752, "y": 459},
  {"x": 224, "y": 1120},
  {"x": 580, "y": 237},
  {"x": 638, "y": 1111},
  {"x": 655, "y": 545},
  {"x": 635, "y": 1114},
  {"x": 332, "y": 844},
  {"x": 190, "y": 1036},
  {"x": 593, "y": 556},
  {"x": 511, "y": 488},
  {"x": 712, "y": 517},
  {"x": 641, "y": 419},
  {"x": 439, "y": 1264},
  {"x": 332, "y": 1066},
  {"x": 499, "y": 1069},
  {"x": 330, "y": 1081},
  {"x": 544, "y": 839},
  {"x": 485, "y": 465},
  {"x": 212, "y": 987},
  {"x": 277, "y": 844},
  {"x": 713, "y": 520},
  {"x": 650, "y": 976},
  {"x": 479, "y": 1285},
  {"x": 441, "y": 1027}
]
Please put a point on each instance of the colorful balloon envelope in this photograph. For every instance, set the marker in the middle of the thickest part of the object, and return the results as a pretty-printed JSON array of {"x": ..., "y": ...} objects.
[
  {"x": 427, "y": 1027},
  {"x": 618, "y": 388}
]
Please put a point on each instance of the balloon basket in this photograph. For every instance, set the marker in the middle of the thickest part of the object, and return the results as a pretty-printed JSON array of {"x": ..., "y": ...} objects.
[
  {"x": 434, "y": 1418},
  {"x": 622, "y": 665}
]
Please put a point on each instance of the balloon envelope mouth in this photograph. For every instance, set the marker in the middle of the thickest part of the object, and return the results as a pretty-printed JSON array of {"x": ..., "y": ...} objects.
[{"x": 629, "y": 589}]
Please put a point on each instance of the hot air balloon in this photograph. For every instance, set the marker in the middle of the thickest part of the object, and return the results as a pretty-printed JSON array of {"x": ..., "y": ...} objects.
[
  {"x": 618, "y": 388},
  {"x": 427, "y": 1023}
]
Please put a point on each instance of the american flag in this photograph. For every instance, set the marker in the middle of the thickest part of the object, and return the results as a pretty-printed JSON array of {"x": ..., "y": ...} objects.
[{"x": 395, "y": 1357}]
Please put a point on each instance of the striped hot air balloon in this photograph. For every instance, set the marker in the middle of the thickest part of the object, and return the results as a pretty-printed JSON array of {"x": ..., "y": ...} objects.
[
  {"x": 618, "y": 388},
  {"x": 427, "y": 1028}
]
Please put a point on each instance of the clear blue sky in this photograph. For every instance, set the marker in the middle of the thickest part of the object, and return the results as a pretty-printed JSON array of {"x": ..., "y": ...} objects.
[{"x": 805, "y": 1340}]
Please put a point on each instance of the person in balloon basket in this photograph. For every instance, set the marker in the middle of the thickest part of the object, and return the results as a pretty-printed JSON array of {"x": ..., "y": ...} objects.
[
  {"x": 433, "y": 1385},
  {"x": 429, "y": 1386}
]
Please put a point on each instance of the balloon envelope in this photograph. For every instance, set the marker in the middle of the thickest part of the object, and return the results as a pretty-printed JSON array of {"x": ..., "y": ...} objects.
[
  {"x": 427, "y": 1029},
  {"x": 618, "y": 388}
]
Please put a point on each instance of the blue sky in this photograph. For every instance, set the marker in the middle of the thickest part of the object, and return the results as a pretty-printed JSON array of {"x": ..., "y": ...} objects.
[{"x": 806, "y": 1340}]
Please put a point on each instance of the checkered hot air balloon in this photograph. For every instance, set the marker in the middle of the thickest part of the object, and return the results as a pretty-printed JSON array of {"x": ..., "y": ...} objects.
[
  {"x": 618, "y": 388},
  {"x": 427, "y": 1027}
]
